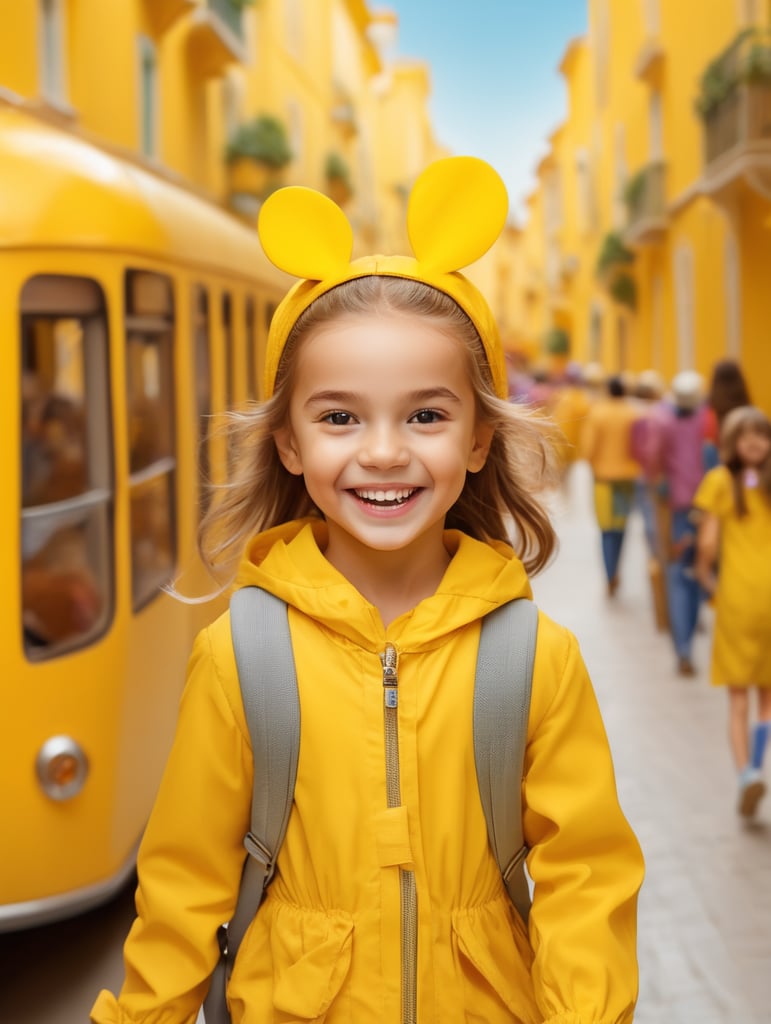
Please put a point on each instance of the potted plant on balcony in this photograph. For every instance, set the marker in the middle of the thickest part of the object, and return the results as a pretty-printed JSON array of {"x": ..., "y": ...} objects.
[
  {"x": 623, "y": 290},
  {"x": 634, "y": 191},
  {"x": 613, "y": 255},
  {"x": 256, "y": 153},
  {"x": 338, "y": 178},
  {"x": 757, "y": 64},
  {"x": 556, "y": 344}
]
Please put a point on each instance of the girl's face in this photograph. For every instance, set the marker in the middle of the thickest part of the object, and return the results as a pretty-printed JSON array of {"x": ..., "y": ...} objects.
[
  {"x": 383, "y": 427},
  {"x": 752, "y": 447}
]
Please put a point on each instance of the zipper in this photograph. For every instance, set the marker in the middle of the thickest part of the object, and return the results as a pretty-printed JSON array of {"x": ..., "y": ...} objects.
[{"x": 408, "y": 893}]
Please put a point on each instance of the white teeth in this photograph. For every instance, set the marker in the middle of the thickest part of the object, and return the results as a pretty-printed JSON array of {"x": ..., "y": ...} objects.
[{"x": 397, "y": 494}]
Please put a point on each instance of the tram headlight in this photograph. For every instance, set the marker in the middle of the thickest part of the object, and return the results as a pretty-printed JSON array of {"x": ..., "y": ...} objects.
[{"x": 62, "y": 767}]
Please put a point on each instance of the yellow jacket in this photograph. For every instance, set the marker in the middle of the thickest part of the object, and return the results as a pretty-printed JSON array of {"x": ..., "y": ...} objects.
[
  {"x": 606, "y": 440},
  {"x": 326, "y": 944}
]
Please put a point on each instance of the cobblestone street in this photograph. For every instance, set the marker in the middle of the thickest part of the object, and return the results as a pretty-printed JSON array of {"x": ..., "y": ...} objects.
[{"x": 705, "y": 908}]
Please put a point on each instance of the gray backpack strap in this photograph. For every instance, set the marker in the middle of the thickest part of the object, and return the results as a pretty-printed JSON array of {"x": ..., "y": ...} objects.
[
  {"x": 266, "y": 673},
  {"x": 501, "y": 707}
]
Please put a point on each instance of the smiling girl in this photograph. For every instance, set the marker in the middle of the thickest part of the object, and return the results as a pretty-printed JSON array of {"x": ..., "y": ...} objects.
[
  {"x": 388, "y": 492},
  {"x": 735, "y": 533}
]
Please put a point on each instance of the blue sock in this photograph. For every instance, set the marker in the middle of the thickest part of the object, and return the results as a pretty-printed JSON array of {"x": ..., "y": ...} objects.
[{"x": 759, "y": 740}]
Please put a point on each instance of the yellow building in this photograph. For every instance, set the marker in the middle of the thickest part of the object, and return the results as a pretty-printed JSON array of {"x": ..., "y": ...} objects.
[
  {"x": 169, "y": 84},
  {"x": 654, "y": 202}
]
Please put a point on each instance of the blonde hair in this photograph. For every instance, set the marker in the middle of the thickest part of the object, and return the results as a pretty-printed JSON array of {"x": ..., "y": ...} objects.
[
  {"x": 737, "y": 422},
  {"x": 498, "y": 501}
]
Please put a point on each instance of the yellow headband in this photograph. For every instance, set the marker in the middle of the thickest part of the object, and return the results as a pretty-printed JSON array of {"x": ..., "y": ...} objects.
[{"x": 456, "y": 211}]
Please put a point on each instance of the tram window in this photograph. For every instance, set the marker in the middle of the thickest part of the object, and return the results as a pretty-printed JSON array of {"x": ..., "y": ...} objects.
[
  {"x": 150, "y": 409},
  {"x": 66, "y": 466},
  {"x": 251, "y": 350},
  {"x": 202, "y": 386},
  {"x": 270, "y": 309},
  {"x": 230, "y": 356}
]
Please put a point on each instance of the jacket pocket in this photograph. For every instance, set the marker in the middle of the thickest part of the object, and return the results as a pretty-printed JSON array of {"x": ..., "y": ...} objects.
[
  {"x": 311, "y": 953},
  {"x": 494, "y": 959}
]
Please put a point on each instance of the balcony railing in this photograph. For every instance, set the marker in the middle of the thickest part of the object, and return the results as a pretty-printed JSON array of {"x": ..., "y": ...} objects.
[
  {"x": 217, "y": 37},
  {"x": 646, "y": 204},
  {"x": 735, "y": 100},
  {"x": 231, "y": 14}
]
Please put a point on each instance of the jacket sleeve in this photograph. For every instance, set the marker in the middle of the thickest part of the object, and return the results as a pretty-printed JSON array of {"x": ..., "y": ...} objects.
[
  {"x": 192, "y": 853},
  {"x": 584, "y": 860}
]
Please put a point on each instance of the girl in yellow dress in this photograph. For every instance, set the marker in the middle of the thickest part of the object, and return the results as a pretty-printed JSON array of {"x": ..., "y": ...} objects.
[{"x": 735, "y": 533}]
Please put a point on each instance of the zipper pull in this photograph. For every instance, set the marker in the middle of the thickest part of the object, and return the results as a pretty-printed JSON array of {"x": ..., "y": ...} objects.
[{"x": 390, "y": 678}]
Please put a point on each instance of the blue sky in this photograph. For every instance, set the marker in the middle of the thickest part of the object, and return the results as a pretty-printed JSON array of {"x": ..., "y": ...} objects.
[{"x": 496, "y": 92}]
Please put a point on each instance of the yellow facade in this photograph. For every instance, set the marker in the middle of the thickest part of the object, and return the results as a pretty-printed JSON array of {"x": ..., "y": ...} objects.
[
  {"x": 689, "y": 196},
  {"x": 167, "y": 83}
]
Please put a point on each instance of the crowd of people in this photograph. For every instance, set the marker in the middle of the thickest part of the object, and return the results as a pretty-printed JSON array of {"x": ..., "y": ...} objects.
[{"x": 693, "y": 457}]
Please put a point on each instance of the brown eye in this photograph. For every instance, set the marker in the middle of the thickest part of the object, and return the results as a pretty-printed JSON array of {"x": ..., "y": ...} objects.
[
  {"x": 338, "y": 419},
  {"x": 426, "y": 416}
]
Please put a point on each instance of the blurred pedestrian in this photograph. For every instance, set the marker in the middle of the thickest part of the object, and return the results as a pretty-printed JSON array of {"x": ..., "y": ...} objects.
[
  {"x": 735, "y": 535},
  {"x": 606, "y": 445},
  {"x": 676, "y": 454},
  {"x": 569, "y": 408},
  {"x": 649, "y": 392},
  {"x": 727, "y": 390}
]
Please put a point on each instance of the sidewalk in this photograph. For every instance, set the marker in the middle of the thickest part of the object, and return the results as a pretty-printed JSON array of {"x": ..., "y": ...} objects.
[{"x": 705, "y": 907}]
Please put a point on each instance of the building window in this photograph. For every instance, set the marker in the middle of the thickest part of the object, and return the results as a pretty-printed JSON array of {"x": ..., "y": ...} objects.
[
  {"x": 152, "y": 451},
  {"x": 600, "y": 42},
  {"x": 202, "y": 386},
  {"x": 296, "y": 133},
  {"x": 657, "y": 323},
  {"x": 52, "y": 51},
  {"x": 232, "y": 102},
  {"x": 67, "y": 581},
  {"x": 651, "y": 17},
  {"x": 656, "y": 127},
  {"x": 229, "y": 348},
  {"x": 595, "y": 334},
  {"x": 620, "y": 175},
  {"x": 250, "y": 324},
  {"x": 750, "y": 13},
  {"x": 733, "y": 305},
  {"x": 148, "y": 96},
  {"x": 294, "y": 19},
  {"x": 684, "y": 290}
]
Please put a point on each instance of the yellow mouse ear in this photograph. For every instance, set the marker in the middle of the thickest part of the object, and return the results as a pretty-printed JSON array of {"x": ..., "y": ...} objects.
[
  {"x": 304, "y": 233},
  {"x": 457, "y": 209}
]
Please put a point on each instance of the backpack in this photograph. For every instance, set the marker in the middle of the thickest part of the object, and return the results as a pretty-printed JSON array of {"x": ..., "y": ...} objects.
[{"x": 268, "y": 682}]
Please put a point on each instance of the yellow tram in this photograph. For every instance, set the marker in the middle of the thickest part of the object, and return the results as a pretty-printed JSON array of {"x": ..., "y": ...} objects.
[{"x": 131, "y": 311}]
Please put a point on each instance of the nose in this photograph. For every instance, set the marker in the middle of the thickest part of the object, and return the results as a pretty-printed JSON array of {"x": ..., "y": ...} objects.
[{"x": 383, "y": 446}]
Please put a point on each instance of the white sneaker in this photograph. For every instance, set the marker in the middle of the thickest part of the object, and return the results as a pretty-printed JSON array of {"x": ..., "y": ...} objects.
[{"x": 751, "y": 791}]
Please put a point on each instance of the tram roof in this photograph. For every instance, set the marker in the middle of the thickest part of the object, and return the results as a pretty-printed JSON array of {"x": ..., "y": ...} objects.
[{"x": 58, "y": 190}]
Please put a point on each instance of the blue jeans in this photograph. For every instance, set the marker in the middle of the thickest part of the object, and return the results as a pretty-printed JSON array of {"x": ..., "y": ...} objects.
[
  {"x": 683, "y": 590},
  {"x": 611, "y": 551}
]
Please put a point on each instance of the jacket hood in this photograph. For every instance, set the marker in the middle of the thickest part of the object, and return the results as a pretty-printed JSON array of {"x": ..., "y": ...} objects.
[{"x": 288, "y": 561}]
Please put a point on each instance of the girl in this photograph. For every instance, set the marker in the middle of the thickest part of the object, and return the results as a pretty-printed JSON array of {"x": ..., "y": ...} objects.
[
  {"x": 382, "y": 477},
  {"x": 735, "y": 531}
]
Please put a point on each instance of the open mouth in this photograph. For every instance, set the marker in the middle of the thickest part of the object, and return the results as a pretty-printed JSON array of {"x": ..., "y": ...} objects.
[{"x": 391, "y": 498}]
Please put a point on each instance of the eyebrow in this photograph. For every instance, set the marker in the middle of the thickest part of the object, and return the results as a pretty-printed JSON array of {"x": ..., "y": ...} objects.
[{"x": 348, "y": 397}]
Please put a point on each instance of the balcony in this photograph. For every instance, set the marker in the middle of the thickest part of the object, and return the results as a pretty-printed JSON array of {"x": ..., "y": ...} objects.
[
  {"x": 646, "y": 205},
  {"x": 163, "y": 14},
  {"x": 217, "y": 37},
  {"x": 735, "y": 106},
  {"x": 649, "y": 64}
]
